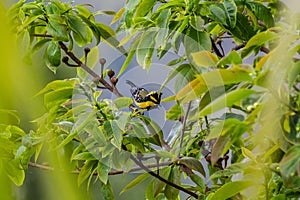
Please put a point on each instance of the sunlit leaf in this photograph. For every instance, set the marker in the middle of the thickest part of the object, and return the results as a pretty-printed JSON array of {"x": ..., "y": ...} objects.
[
  {"x": 214, "y": 78},
  {"x": 136, "y": 181},
  {"x": 205, "y": 59}
]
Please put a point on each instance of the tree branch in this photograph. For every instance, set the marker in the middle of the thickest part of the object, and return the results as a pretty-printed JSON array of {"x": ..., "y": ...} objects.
[
  {"x": 215, "y": 48},
  {"x": 141, "y": 165},
  {"x": 113, "y": 172},
  {"x": 96, "y": 77}
]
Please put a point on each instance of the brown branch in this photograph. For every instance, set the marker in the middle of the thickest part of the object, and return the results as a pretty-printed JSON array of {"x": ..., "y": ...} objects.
[
  {"x": 113, "y": 172},
  {"x": 183, "y": 127},
  {"x": 141, "y": 165},
  {"x": 42, "y": 35},
  {"x": 96, "y": 77},
  {"x": 215, "y": 48},
  {"x": 238, "y": 47}
]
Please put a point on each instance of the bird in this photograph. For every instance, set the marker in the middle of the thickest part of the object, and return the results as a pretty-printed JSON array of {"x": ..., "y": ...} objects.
[{"x": 142, "y": 98}]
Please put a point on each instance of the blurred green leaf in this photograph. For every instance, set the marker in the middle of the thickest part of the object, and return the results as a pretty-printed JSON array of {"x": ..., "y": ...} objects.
[
  {"x": 106, "y": 191},
  {"x": 226, "y": 100},
  {"x": 15, "y": 172},
  {"x": 230, "y": 189},
  {"x": 135, "y": 181},
  {"x": 145, "y": 49}
]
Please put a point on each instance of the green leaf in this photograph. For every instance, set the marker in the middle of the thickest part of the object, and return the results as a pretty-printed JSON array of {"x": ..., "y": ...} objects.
[
  {"x": 226, "y": 100},
  {"x": 243, "y": 30},
  {"x": 230, "y": 189},
  {"x": 81, "y": 32},
  {"x": 106, "y": 191},
  {"x": 232, "y": 58},
  {"x": 193, "y": 164},
  {"x": 40, "y": 44},
  {"x": 290, "y": 163},
  {"x": 144, "y": 7},
  {"x": 108, "y": 34},
  {"x": 123, "y": 102},
  {"x": 230, "y": 170},
  {"x": 4, "y": 113},
  {"x": 185, "y": 74},
  {"x": 84, "y": 156},
  {"x": 118, "y": 15},
  {"x": 103, "y": 170},
  {"x": 57, "y": 97},
  {"x": 58, "y": 85},
  {"x": 248, "y": 154},
  {"x": 174, "y": 177},
  {"x": 227, "y": 132},
  {"x": 145, "y": 49},
  {"x": 218, "y": 13},
  {"x": 131, "y": 54},
  {"x": 135, "y": 181},
  {"x": 15, "y": 172},
  {"x": 205, "y": 59},
  {"x": 262, "y": 13},
  {"x": 211, "y": 79},
  {"x": 174, "y": 112},
  {"x": 199, "y": 181},
  {"x": 58, "y": 31},
  {"x": 86, "y": 171},
  {"x": 179, "y": 3},
  {"x": 118, "y": 134},
  {"x": 257, "y": 41},
  {"x": 53, "y": 53},
  {"x": 92, "y": 26},
  {"x": 195, "y": 41},
  {"x": 230, "y": 11}
]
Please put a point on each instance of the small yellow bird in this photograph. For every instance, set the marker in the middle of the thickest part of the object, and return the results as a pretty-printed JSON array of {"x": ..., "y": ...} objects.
[{"x": 142, "y": 98}]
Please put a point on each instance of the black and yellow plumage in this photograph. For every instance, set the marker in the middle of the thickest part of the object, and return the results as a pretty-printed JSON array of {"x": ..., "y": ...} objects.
[{"x": 142, "y": 98}]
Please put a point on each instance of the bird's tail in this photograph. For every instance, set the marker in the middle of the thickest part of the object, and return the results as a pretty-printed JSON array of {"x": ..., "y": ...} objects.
[{"x": 130, "y": 83}]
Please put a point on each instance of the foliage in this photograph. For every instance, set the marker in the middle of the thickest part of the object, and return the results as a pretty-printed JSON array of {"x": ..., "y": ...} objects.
[{"x": 251, "y": 151}]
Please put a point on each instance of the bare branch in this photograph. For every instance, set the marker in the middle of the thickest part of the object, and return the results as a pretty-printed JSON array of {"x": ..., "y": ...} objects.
[{"x": 140, "y": 164}]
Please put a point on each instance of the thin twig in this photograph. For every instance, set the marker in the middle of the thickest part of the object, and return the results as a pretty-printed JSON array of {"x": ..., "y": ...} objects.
[
  {"x": 183, "y": 127},
  {"x": 42, "y": 35},
  {"x": 238, "y": 47},
  {"x": 140, "y": 164},
  {"x": 113, "y": 172}
]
